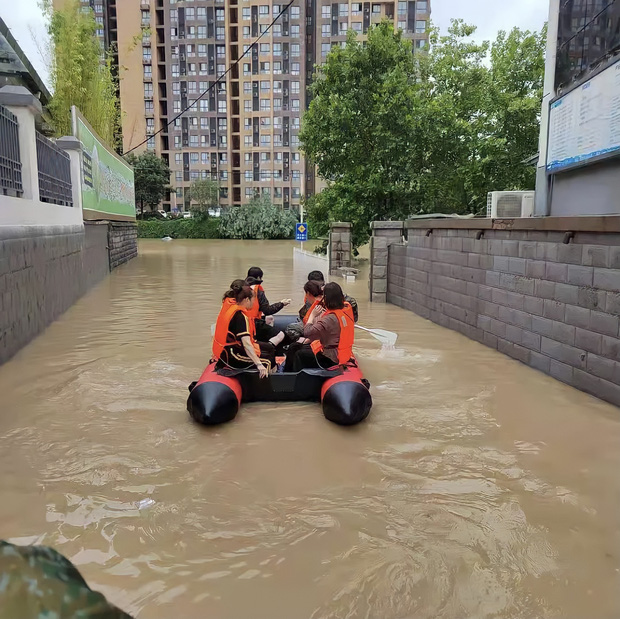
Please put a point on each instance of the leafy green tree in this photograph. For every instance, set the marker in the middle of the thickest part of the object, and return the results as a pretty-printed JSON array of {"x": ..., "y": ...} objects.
[
  {"x": 80, "y": 73},
  {"x": 204, "y": 195},
  {"x": 362, "y": 132},
  {"x": 396, "y": 134},
  {"x": 151, "y": 178},
  {"x": 259, "y": 219}
]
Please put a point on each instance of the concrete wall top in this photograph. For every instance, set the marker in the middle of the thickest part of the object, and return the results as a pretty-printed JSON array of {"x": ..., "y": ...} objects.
[
  {"x": 603, "y": 223},
  {"x": 341, "y": 224},
  {"x": 386, "y": 225}
]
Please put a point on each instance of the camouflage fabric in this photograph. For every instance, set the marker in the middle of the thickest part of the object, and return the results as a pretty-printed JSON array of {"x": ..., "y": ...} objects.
[{"x": 36, "y": 582}]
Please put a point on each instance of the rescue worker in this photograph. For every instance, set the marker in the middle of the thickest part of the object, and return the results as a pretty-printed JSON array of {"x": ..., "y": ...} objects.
[
  {"x": 330, "y": 329},
  {"x": 234, "y": 343},
  {"x": 262, "y": 309},
  {"x": 37, "y": 582},
  {"x": 318, "y": 277}
]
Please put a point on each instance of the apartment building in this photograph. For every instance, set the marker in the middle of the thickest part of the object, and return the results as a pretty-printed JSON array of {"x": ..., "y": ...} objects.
[{"x": 244, "y": 132}]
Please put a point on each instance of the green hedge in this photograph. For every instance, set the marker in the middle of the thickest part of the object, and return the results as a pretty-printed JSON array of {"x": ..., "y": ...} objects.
[{"x": 195, "y": 228}]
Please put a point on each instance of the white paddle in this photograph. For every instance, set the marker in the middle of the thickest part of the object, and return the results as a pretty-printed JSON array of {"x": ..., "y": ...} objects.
[{"x": 387, "y": 338}]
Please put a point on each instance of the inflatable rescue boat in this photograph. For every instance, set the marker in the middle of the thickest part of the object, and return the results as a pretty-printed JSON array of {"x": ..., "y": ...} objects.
[{"x": 344, "y": 393}]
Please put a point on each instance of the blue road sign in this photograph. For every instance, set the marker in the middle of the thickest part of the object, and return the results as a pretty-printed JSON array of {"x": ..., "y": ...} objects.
[{"x": 301, "y": 232}]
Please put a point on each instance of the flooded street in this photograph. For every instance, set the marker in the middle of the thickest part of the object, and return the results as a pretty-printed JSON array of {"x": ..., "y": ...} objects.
[{"x": 477, "y": 487}]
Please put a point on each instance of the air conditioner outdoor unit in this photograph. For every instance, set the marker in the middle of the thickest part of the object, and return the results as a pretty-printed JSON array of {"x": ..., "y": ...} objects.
[{"x": 510, "y": 204}]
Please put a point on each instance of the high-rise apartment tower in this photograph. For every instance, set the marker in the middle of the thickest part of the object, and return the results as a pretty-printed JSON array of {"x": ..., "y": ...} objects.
[{"x": 244, "y": 131}]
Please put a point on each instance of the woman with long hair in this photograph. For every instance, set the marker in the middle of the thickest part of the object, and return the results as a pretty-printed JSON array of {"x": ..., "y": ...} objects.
[{"x": 234, "y": 343}]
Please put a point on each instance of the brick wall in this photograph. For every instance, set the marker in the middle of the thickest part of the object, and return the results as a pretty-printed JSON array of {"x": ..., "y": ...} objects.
[
  {"x": 123, "y": 242},
  {"x": 44, "y": 270},
  {"x": 552, "y": 305}
]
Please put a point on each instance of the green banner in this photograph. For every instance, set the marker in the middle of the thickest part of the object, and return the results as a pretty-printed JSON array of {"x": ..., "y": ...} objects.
[{"x": 107, "y": 181}]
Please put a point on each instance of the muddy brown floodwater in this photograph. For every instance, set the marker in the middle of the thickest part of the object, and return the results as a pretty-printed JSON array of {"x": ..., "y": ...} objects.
[{"x": 477, "y": 487}]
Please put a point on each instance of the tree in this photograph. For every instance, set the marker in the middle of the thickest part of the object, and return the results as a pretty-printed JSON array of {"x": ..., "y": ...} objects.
[
  {"x": 258, "y": 219},
  {"x": 151, "y": 179},
  {"x": 396, "y": 134},
  {"x": 204, "y": 195},
  {"x": 81, "y": 73},
  {"x": 361, "y": 131}
]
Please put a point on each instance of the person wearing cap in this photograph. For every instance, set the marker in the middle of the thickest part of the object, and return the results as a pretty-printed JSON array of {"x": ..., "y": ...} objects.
[
  {"x": 319, "y": 278},
  {"x": 262, "y": 308}
]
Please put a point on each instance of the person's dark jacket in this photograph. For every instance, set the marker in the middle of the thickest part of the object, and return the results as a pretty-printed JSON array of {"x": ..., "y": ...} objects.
[{"x": 263, "y": 303}]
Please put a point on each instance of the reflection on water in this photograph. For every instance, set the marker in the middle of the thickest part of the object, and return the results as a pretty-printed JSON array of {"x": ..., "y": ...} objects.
[{"x": 477, "y": 488}]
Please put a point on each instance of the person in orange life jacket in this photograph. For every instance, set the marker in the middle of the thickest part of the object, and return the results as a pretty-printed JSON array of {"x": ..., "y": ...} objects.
[
  {"x": 318, "y": 277},
  {"x": 234, "y": 344},
  {"x": 262, "y": 308},
  {"x": 330, "y": 330}
]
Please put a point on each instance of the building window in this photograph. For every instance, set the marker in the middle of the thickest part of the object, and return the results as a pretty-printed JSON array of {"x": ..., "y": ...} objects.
[
  {"x": 277, "y": 68},
  {"x": 326, "y": 11},
  {"x": 176, "y": 106},
  {"x": 295, "y": 50},
  {"x": 202, "y": 51},
  {"x": 192, "y": 87},
  {"x": 265, "y": 175},
  {"x": 296, "y": 193},
  {"x": 277, "y": 49},
  {"x": 178, "y": 176},
  {"x": 420, "y": 26},
  {"x": 148, "y": 89},
  {"x": 148, "y": 107},
  {"x": 148, "y": 71},
  {"x": 193, "y": 157},
  {"x": 204, "y": 123},
  {"x": 175, "y": 70},
  {"x": 265, "y": 105},
  {"x": 295, "y": 140},
  {"x": 220, "y": 33},
  {"x": 150, "y": 143},
  {"x": 325, "y": 47},
  {"x": 422, "y": 6},
  {"x": 265, "y": 121},
  {"x": 265, "y": 157},
  {"x": 357, "y": 26},
  {"x": 277, "y": 30},
  {"x": 146, "y": 18},
  {"x": 295, "y": 104},
  {"x": 420, "y": 44},
  {"x": 191, "y": 32},
  {"x": 326, "y": 30},
  {"x": 173, "y": 33},
  {"x": 191, "y": 68},
  {"x": 174, "y": 51},
  {"x": 296, "y": 157},
  {"x": 277, "y": 192},
  {"x": 246, "y": 32},
  {"x": 277, "y": 87},
  {"x": 265, "y": 140},
  {"x": 204, "y": 69},
  {"x": 221, "y": 107},
  {"x": 223, "y": 157},
  {"x": 247, "y": 87},
  {"x": 178, "y": 158},
  {"x": 356, "y": 8},
  {"x": 277, "y": 157},
  {"x": 295, "y": 123},
  {"x": 296, "y": 175},
  {"x": 294, "y": 12},
  {"x": 190, "y": 14},
  {"x": 277, "y": 104},
  {"x": 344, "y": 10},
  {"x": 294, "y": 31},
  {"x": 294, "y": 68},
  {"x": 275, "y": 10},
  {"x": 294, "y": 88},
  {"x": 264, "y": 48},
  {"x": 203, "y": 105},
  {"x": 277, "y": 122},
  {"x": 402, "y": 25},
  {"x": 265, "y": 85},
  {"x": 277, "y": 139},
  {"x": 201, "y": 13},
  {"x": 193, "y": 141},
  {"x": 343, "y": 27},
  {"x": 402, "y": 8},
  {"x": 249, "y": 192},
  {"x": 221, "y": 69},
  {"x": 202, "y": 32},
  {"x": 177, "y": 141},
  {"x": 263, "y": 9},
  {"x": 248, "y": 177},
  {"x": 277, "y": 175},
  {"x": 179, "y": 193},
  {"x": 223, "y": 140},
  {"x": 204, "y": 158},
  {"x": 265, "y": 68},
  {"x": 219, "y": 15},
  {"x": 247, "y": 106},
  {"x": 220, "y": 51},
  {"x": 246, "y": 13},
  {"x": 190, "y": 50},
  {"x": 376, "y": 9},
  {"x": 247, "y": 140}
]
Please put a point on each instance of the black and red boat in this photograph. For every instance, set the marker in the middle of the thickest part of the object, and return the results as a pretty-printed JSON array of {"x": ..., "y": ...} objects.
[{"x": 344, "y": 393}]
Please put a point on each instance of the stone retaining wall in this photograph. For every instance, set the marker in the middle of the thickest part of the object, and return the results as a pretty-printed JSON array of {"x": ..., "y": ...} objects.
[
  {"x": 122, "y": 242},
  {"x": 549, "y": 298}
]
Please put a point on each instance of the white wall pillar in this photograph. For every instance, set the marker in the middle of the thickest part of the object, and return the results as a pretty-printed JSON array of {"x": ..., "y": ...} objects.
[
  {"x": 542, "y": 183},
  {"x": 73, "y": 148},
  {"x": 26, "y": 108}
]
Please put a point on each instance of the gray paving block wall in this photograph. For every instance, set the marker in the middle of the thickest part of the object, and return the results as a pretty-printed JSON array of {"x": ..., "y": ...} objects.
[
  {"x": 95, "y": 257},
  {"x": 553, "y": 306},
  {"x": 339, "y": 247},
  {"x": 123, "y": 242}
]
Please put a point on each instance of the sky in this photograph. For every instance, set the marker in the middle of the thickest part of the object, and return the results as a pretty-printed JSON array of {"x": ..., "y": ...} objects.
[{"x": 24, "y": 18}]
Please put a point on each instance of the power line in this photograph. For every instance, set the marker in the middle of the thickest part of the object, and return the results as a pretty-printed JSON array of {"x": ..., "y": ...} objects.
[{"x": 217, "y": 81}]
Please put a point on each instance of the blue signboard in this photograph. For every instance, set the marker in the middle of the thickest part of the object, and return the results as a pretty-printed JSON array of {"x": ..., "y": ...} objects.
[{"x": 301, "y": 232}]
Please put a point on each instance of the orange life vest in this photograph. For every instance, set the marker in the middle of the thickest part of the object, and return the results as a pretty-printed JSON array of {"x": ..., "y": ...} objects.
[
  {"x": 307, "y": 315},
  {"x": 254, "y": 312},
  {"x": 222, "y": 329},
  {"x": 347, "y": 334}
]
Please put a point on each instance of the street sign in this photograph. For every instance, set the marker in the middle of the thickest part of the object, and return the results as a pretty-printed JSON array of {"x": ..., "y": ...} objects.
[{"x": 301, "y": 232}]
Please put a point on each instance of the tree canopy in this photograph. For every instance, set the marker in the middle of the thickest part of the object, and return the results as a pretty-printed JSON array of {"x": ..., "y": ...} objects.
[
  {"x": 81, "y": 73},
  {"x": 204, "y": 195},
  {"x": 151, "y": 179},
  {"x": 395, "y": 134}
]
